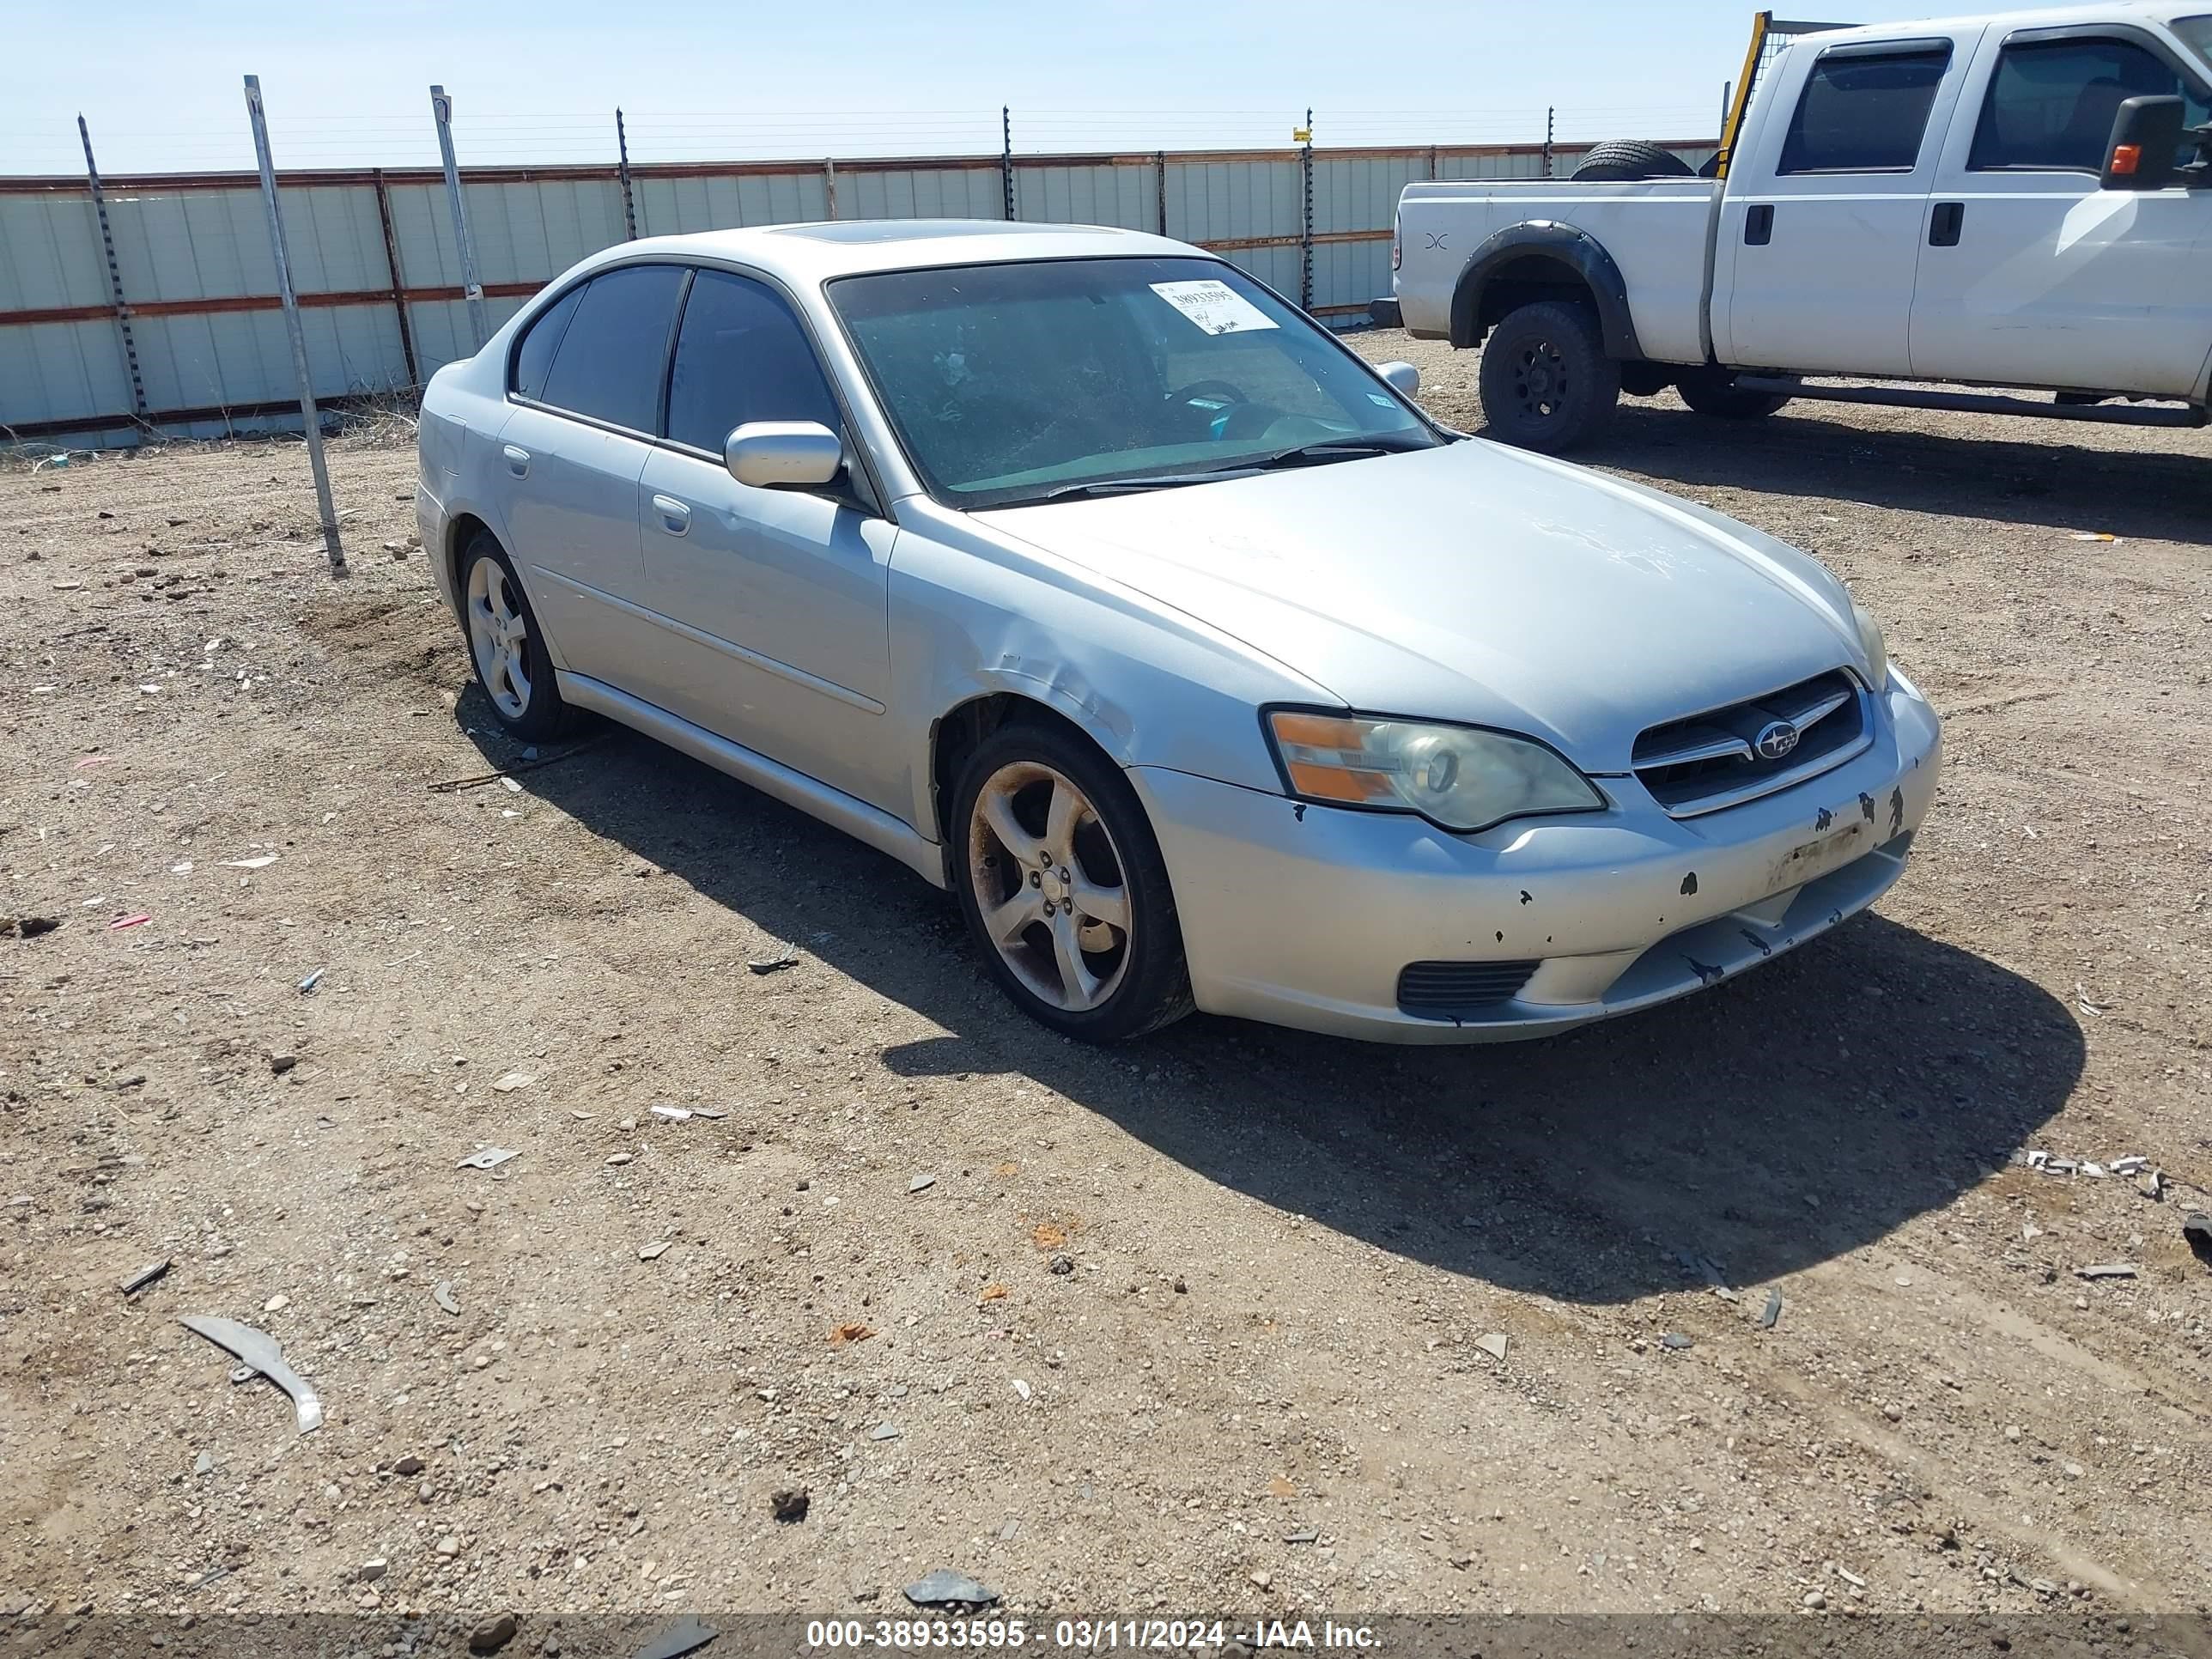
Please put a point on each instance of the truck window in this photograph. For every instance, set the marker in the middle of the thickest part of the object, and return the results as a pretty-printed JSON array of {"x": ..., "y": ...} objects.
[
  {"x": 1863, "y": 111},
  {"x": 2051, "y": 103}
]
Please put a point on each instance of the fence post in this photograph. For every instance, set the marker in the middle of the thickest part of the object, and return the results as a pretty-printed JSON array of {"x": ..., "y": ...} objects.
[
  {"x": 830, "y": 186},
  {"x": 1160, "y": 187},
  {"x": 1305, "y": 235},
  {"x": 1549, "y": 115},
  {"x": 114, "y": 275},
  {"x": 399, "y": 285},
  {"x": 441, "y": 110},
  {"x": 310, "y": 418},
  {"x": 621, "y": 170},
  {"x": 1006, "y": 157}
]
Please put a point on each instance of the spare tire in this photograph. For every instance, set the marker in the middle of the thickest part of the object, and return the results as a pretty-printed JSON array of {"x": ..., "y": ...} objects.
[{"x": 1620, "y": 159}]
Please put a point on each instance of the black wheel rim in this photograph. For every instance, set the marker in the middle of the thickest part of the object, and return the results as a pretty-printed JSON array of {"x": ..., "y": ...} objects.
[{"x": 1539, "y": 379}]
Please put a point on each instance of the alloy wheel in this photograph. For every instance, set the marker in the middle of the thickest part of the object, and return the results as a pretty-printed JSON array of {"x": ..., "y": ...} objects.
[
  {"x": 499, "y": 635},
  {"x": 1049, "y": 884}
]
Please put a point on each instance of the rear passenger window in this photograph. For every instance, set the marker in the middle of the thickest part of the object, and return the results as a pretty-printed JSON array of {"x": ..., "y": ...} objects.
[
  {"x": 2051, "y": 104},
  {"x": 741, "y": 355},
  {"x": 540, "y": 341},
  {"x": 1865, "y": 112},
  {"x": 609, "y": 363}
]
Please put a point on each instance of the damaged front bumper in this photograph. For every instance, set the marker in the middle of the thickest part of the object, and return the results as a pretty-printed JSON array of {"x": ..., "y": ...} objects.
[{"x": 1309, "y": 916}]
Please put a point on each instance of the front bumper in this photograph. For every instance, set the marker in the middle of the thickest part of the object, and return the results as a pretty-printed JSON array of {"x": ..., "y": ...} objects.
[{"x": 1305, "y": 915}]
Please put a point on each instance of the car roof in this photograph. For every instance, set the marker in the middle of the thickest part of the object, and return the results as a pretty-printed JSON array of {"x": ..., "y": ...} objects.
[
  {"x": 2114, "y": 11},
  {"x": 814, "y": 253}
]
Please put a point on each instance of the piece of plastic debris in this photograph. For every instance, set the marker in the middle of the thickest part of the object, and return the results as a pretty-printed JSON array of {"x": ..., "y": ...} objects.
[
  {"x": 313, "y": 981},
  {"x": 2152, "y": 1186},
  {"x": 713, "y": 1114},
  {"x": 443, "y": 1294},
  {"x": 2107, "y": 1270},
  {"x": 511, "y": 786},
  {"x": 2094, "y": 535},
  {"x": 1303, "y": 1536},
  {"x": 581, "y": 1117},
  {"x": 263, "y": 1357},
  {"x": 1772, "y": 1313},
  {"x": 489, "y": 1158},
  {"x": 136, "y": 919},
  {"x": 204, "y": 1464},
  {"x": 851, "y": 1331},
  {"x": 2096, "y": 1171},
  {"x": 673, "y": 1113},
  {"x": 26, "y": 926},
  {"x": 686, "y": 1636},
  {"x": 260, "y": 861},
  {"x": 2196, "y": 1233},
  {"x": 2133, "y": 1163},
  {"x": 652, "y": 1251},
  {"x": 945, "y": 1587},
  {"x": 1495, "y": 1344},
  {"x": 1021, "y": 1391},
  {"x": 921, "y": 1183},
  {"x": 1673, "y": 1339},
  {"x": 145, "y": 1276},
  {"x": 1850, "y": 1577},
  {"x": 511, "y": 1081},
  {"x": 789, "y": 1503},
  {"x": 770, "y": 965},
  {"x": 884, "y": 1431}
]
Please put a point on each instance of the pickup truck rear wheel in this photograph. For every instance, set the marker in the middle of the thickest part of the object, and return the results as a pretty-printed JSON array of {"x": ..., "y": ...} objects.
[
  {"x": 1716, "y": 393},
  {"x": 1546, "y": 381}
]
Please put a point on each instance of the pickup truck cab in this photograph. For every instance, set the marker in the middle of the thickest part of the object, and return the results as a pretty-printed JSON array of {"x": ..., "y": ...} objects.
[{"x": 2004, "y": 200}]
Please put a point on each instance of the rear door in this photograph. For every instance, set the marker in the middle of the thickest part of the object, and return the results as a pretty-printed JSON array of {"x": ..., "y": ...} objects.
[
  {"x": 584, "y": 393},
  {"x": 2030, "y": 273},
  {"x": 1820, "y": 229}
]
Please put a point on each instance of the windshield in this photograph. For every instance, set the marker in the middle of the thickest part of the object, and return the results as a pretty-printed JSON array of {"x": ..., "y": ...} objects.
[
  {"x": 2195, "y": 34},
  {"x": 1013, "y": 382}
]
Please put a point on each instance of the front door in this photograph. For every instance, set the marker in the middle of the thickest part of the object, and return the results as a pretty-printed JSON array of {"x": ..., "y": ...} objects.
[
  {"x": 774, "y": 602},
  {"x": 1820, "y": 225},
  {"x": 2034, "y": 276}
]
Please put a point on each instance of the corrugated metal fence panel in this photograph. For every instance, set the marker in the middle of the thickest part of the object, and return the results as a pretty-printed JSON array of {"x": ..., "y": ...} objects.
[
  {"x": 214, "y": 244},
  {"x": 1278, "y": 267},
  {"x": 244, "y": 357},
  {"x": 1361, "y": 193},
  {"x": 1127, "y": 195},
  {"x": 442, "y": 329},
  {"x": 672, "y": 207},
  {"x": 531, "y": 232},
  {"x": 1214, "y": 201},
  {"x": 61, "y": 371},
  {"x": 922, "y": 193},
  {"x": 1350, "y": 274},
  {"x": 50, "y": 252}
]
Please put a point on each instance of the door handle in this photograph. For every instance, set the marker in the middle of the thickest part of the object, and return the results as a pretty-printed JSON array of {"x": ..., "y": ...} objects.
[
  {"x": 1943, "y": 224},
  {"x": 518, "y": 460},
  {"x": 1759, "y": 224},
  {"x": 675, "y": 517}
]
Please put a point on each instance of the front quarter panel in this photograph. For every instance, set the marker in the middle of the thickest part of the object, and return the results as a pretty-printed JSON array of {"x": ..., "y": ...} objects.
[{"x": 975, "y": 612}]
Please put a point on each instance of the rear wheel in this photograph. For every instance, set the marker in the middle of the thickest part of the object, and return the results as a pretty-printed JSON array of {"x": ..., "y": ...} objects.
[
  {"x": 1062, "y": 884},
  {"x": 505, "y": 645},
  {"x": 1546, "y": 381},
  {"x": 1715, "y": 392}
]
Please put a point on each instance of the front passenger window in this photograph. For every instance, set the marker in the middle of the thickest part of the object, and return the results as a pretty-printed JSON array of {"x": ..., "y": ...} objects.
[
  {"x": 740, "y": 356},
  {"x": 2051, "y": 103}
]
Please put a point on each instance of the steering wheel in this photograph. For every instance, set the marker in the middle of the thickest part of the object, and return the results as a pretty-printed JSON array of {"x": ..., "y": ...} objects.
[{"x": 1220, "y": 389}]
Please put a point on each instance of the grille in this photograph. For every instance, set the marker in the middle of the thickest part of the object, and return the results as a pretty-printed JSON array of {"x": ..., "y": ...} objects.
[
  {"x": 1713, "y": 760},
  {"x": 1440, "y": 990}
]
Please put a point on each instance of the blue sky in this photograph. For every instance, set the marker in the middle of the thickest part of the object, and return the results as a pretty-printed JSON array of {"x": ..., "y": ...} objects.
[{"x": 347, "y": 84}]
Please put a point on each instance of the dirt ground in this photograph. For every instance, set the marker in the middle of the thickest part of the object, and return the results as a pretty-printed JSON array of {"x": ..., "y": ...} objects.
[{"x": 1268, "y": 1385}]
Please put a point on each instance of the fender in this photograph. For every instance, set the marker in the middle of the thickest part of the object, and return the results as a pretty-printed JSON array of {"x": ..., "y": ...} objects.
[{"x": 1579, "y": 255}]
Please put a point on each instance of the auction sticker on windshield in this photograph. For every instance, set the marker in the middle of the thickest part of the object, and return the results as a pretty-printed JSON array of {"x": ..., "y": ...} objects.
[{"x": 1214, "y": 306}]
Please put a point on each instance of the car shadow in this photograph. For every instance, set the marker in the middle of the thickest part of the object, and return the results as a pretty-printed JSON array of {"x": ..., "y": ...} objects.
[
  {"x": 1753, "y": 1130},
  {"x": 2152, "y": 492}
]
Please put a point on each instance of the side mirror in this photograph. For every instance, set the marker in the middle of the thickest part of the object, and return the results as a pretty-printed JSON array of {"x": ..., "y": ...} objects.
[
  {"x": 1402, "y": 377},
  {"x": 2146, "y": 139},
  {"x": 784, "y": 454}
]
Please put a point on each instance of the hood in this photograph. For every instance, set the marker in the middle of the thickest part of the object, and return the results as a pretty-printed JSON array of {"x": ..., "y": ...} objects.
[{"x": 1475, "y": 583}]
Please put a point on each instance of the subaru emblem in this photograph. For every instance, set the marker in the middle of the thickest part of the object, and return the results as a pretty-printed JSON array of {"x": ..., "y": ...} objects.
[{"x": 1776, "y": 740}]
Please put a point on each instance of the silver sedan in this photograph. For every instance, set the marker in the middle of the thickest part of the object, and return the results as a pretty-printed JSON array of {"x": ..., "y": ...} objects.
[{"x": 1081, "y": 572}]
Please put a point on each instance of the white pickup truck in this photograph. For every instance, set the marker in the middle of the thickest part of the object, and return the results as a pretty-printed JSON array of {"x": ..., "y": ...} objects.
[{"x": 2010, "y": 200}]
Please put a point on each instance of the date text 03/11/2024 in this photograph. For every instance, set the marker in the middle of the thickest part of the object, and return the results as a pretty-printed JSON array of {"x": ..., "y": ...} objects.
[{"x": 1081, "y": 1635}]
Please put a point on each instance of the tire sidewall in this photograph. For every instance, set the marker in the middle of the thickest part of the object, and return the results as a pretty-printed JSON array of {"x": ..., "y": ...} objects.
[
  {"x": 1594, "y": 379},
  {"x": 1154, "y": 988}
]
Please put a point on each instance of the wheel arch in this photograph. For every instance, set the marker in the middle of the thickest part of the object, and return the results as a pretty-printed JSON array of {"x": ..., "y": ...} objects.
[
  {"x": 957, "y": 733},
  {"x": 1542, "y": 259}
]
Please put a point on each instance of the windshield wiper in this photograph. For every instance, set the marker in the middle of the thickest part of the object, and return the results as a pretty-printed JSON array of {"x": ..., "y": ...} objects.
[
  {"x": 1119, "y": 486},
  {"x": 1331, "y": 449}
]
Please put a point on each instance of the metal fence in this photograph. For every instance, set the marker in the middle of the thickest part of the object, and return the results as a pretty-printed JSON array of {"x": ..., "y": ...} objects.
[{"x": 149, "y": 303}]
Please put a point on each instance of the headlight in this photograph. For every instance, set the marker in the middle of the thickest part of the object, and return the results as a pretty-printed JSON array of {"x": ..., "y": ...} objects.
[
  {"x": 1458, "y": 777},
  {"x": 1876, "y": 647}
]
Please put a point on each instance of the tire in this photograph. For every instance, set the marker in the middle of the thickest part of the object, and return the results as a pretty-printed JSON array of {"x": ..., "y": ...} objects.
[
  {"x": 1128, "y": 977},
  {"x": 1715, "y": 394},
  {"x": 507, "y": 652},
  {"x": 1546, "y": 382},
  {"x": 1620, "y": 160}
]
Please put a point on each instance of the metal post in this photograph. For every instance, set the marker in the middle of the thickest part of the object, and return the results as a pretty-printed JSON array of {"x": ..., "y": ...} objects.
[
  {"x": 441, "y": 110},
  {"x": 310, "y": 419},
  {"x": 830, "y": 186},
  {"x": 1006, "y": 157},
  {"x": 622, "y": 167},
  {"x": 138, "y": 406},
  {"x": 1728, "y": 98},
  {"x": 1305, "y": 236},
  {"x": 1549, "y": 115},
  {"x": 1432, "y": 161},
  {"x": 398, "y": 284},
  {"x": 1160, "y": 187}
]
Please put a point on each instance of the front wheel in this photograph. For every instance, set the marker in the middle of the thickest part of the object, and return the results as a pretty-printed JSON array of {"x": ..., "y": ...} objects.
[
  {"x": 1062, "y": 884},
  {"x": 1714, "y": 393},
  {"x": 1546, "y": 381}
]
